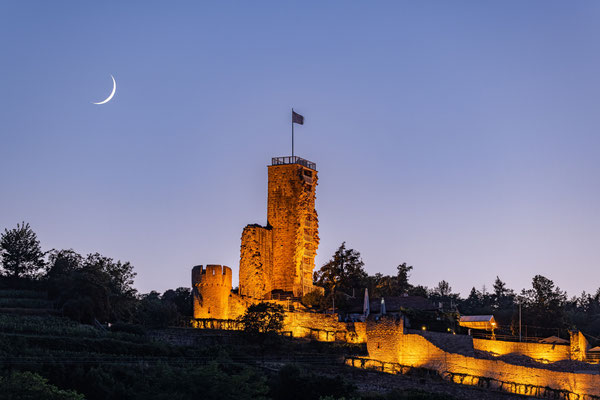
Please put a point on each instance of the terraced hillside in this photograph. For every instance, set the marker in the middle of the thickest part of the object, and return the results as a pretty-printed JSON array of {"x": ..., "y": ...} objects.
[{"x": 125, "y": 362}]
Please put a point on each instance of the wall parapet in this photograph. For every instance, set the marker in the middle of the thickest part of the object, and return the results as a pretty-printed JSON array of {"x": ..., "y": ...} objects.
[
  {"x": 488, "y": 383},
  {"x": 538, "y": 351},
  {"x": 390, "y": 344}
]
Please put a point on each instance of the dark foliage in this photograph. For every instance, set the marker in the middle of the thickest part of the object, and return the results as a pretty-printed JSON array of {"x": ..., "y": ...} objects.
[
  {"x": 295, "y": 383},
  {"x": 181, "y": 298},
  {"x": 262, "y": 318},
  {"x": 344, "y": 272},
  {"x": 91, "y": 288},
  {"x": 21, "y": 253},
  {"x": 30, "y": 386}
]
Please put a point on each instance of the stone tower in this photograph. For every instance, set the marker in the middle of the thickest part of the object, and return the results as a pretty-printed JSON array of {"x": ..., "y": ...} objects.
[
  {"x": 278, "y": 260},
  {"x": 211, "y": 290}
]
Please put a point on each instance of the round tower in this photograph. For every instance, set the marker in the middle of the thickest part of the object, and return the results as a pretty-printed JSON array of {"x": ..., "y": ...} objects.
[{"x": 211, "y": 288}]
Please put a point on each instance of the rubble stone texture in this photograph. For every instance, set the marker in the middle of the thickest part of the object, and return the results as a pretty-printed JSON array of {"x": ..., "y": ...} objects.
[
  {"x": 256, "y": 262},
  {"x": 280, "y": 257},
  {"x": 389, "y": 343}
]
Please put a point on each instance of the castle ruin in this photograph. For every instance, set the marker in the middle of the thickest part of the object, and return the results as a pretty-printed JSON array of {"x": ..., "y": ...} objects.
[
  {"x": 276, "y": 260},
  {"x": 277, "y": 263}
]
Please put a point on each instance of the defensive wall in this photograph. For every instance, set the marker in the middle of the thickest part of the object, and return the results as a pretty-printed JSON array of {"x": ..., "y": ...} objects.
[
  {"x": 256, "y": 261},
  {"x": 324, "y": 327},
  {"x": 538, "y": 351},
  {"x": 393, "y": 350}
]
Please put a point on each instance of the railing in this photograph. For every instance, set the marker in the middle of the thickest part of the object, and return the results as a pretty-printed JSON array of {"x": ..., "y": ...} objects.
[
  {"x": 212, "y": 323},
  {"x": 593, "y": 357},
  {"x": 509, "y": 338},
  {"x": 293, "y": 160}
]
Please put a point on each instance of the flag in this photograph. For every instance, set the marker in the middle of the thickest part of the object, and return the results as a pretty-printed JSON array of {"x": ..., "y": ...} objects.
[{"x": 297, "y": 118}]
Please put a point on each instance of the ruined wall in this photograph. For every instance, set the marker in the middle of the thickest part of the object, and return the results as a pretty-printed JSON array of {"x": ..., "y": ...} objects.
[
  {"x": 579, "y": 346},
  {"x": 292, "y": 215},
  {"x": 383, "y": 338},
  {"x": 211, "y": 287},
  {"x": 196, "y": 296},
  {"x": 324, "y": 327},
  {"x": 237, "y": 305},
  {"x": 414, "y": 350},
  {"x": 537, "y": 351},
  {"x": 256, "y": 262}
]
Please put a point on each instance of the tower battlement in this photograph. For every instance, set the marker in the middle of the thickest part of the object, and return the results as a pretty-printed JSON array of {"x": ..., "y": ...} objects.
[
  {"x": 212, "y": 274},
  {"x": 293, "y": 160},
  {"x": 211, "y": 288}
]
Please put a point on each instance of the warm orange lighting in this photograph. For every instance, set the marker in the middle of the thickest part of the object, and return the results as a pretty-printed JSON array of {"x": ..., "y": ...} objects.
[{"x": 423, "y": 328}]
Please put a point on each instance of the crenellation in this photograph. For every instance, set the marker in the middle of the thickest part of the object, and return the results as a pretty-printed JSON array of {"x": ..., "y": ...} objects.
[{"x": 211, "y": 287}]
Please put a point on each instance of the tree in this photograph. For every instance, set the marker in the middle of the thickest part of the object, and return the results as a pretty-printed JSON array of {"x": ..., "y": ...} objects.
[
  {"x": 418, "y": 290},
  {"x": 263, "y": 318},
  {"x": 153, "y": 312},
  {"x": 503, "y": 298},
  {"x": 443, "y": 289},
  {"x": 344, "y": 272},
  {"x": 62, "y": 262},
  {"x": 181, "y": 298},
  {"x": 402, "y": 278},
  {"x": 544, "y": 304},
  {"x": 120, "y": 275},
  {"x": 472, "y": 303},
  {"x": 31, "y": 386},
  {"x": 94, "y": 287},
  {"x": 314, "y": 299},
  {"x": 21, "y": 253}
]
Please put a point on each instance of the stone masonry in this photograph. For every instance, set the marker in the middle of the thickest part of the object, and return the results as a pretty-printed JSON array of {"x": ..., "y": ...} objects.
[
  {"x": 211, "y": 288},
  {"x": 279, "y": 259}
]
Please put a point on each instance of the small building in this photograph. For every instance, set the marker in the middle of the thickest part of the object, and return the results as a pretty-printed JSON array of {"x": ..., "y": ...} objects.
[
  {"x": 358, "y": 310},
  {"x": 482, "y": 322}
]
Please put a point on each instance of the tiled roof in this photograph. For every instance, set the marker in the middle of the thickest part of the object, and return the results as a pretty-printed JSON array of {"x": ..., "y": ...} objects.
[{"x": 476, "y": 318}]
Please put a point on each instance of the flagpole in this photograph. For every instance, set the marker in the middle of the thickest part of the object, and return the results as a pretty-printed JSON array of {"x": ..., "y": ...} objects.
[{"x": 292, "y": 133}]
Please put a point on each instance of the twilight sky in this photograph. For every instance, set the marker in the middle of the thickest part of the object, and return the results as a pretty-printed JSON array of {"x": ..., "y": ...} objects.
[{"x": 461, "y": 137}]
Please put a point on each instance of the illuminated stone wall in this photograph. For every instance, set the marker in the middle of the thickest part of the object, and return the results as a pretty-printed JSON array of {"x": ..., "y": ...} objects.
[
  {"x": 237, "y": 305},
  {"x": 281, "y": 256},
  {"x": 324, "y": 327},
  {"x": 579, "y": 346},
  {"x": 383, "y": 338},
  {"x": 256, "y": 262},
  {"x": 211, "y": 289},
  {"x": 414, "y": 350},
  {"x": 291, "y": 214},
  {"x": 537, "y": 351}
]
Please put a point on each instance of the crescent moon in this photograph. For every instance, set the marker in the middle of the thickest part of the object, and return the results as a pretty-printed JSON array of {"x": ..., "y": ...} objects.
[{"x": 111, "y": 93}]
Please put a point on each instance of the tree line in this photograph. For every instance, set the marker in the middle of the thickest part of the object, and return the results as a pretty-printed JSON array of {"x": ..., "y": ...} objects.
[
  {"x": 97, "y": 288},
  {"x": 545, "y": 308},
  {"x": 89, "y": 289}
]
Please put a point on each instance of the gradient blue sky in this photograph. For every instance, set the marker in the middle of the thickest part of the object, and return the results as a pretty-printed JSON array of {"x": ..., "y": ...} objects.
[{"x": 458, "y": 136}]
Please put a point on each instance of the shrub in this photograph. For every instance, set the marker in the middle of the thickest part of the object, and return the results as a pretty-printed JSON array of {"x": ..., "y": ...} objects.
[{"x": 263, "y": 318}]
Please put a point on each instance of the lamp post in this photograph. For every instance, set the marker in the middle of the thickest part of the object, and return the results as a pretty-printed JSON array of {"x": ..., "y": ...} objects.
[
  {"x": 520, "y": 338},
  {"x": 520, "y": 300}
]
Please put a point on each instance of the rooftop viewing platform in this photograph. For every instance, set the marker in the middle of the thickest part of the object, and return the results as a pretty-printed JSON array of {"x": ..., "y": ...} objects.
[{"x": 293, "y": 160}]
